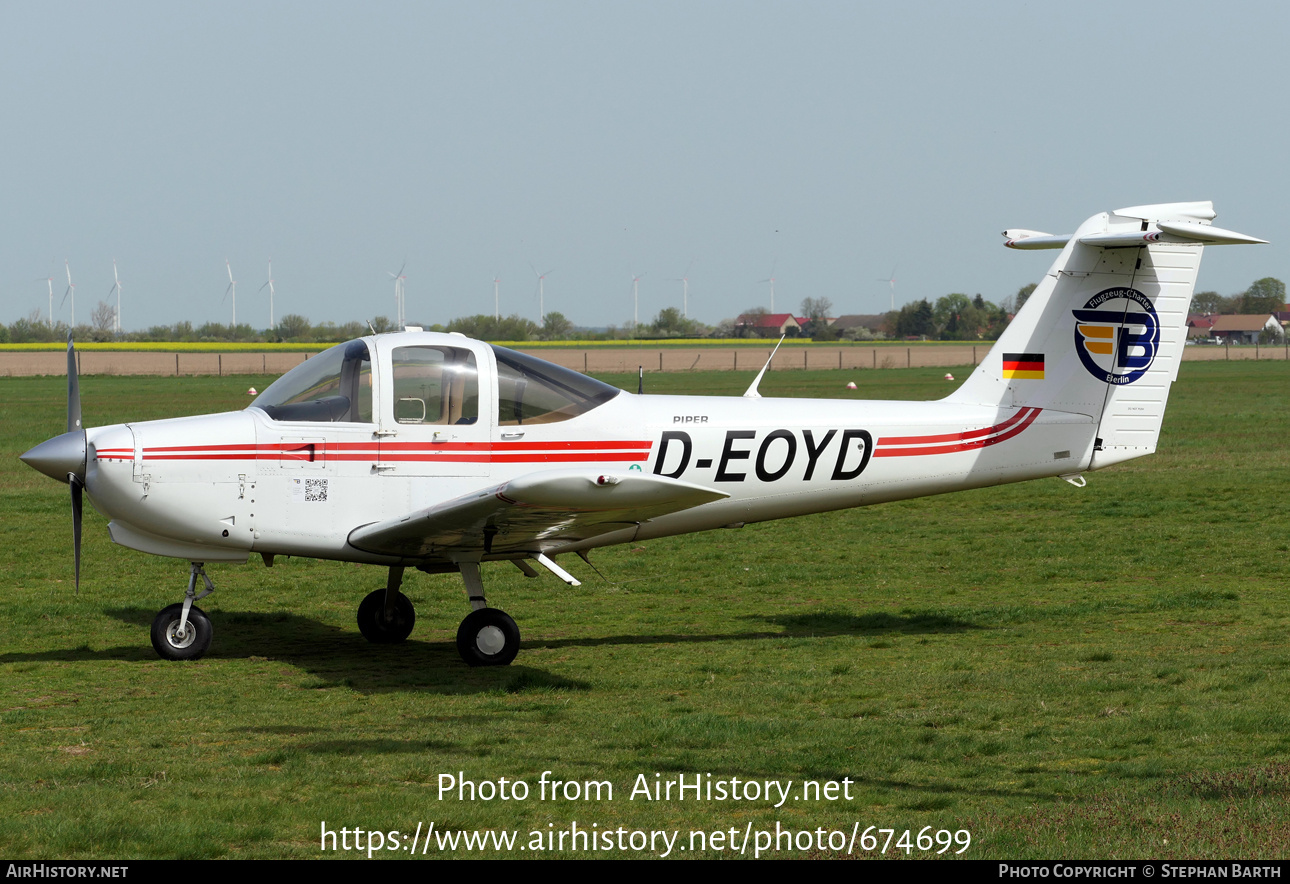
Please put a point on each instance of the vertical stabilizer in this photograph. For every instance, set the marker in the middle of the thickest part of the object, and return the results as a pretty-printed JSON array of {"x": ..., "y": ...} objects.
[{"x": 1103, "y": 333}]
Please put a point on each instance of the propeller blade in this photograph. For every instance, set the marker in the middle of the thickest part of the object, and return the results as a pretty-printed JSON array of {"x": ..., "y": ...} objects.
[
  {"x": 73, "y": 389},
  {"x": 77, "y": 506}
]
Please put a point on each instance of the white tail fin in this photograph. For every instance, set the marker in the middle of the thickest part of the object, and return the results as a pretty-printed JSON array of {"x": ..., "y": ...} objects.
[{"x": 1103, "y": 333}]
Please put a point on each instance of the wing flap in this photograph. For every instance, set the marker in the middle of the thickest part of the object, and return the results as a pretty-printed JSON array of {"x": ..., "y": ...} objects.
[{"x": 532, "y": 513}]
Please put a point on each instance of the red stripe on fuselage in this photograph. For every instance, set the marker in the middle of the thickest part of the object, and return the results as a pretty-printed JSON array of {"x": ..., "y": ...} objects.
[
  {"x": 967, "y": 441},
  {"x": 442, "y": 452}
]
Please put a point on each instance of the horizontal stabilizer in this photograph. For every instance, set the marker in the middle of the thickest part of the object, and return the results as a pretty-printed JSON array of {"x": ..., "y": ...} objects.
[
  {"x": 1019, "y": 238},
  {"x": 532, "y": 513},
  {"x": 1161, "y": 231}
]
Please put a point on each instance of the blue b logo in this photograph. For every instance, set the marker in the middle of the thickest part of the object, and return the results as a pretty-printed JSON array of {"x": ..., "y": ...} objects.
[{"x": 1117, "y": 335}]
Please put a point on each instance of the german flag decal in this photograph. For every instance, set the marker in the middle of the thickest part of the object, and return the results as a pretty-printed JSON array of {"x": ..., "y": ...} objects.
[{"x": 1029, "y": 366}]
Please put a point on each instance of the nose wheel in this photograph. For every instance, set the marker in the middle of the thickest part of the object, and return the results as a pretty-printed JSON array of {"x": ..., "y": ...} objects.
[
  {"x": 177, "y": 638},
  {"x": 182, "y": 631}
]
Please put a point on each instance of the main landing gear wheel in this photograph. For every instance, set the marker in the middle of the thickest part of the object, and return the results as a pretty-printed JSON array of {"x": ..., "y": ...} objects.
[
  {"x": 191, "y": 643},
  {"x": 488, "y": 637},
  {"x": 379, "y": 629}
]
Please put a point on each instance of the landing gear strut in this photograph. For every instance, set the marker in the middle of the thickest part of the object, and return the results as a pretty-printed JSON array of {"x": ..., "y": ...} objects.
[
  {"x": 182, "y": 631},
  {"x": 488, "y": 636}
]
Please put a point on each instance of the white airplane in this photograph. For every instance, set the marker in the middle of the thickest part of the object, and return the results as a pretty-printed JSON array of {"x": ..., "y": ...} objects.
[{"x": 438, "y": 452}]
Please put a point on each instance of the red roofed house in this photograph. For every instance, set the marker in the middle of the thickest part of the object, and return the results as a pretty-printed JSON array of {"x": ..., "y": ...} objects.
[
  {"x": 1199, "y": 325},
  {"x": 768, "y": 325},
  {"x": 1243, "y": 328}
]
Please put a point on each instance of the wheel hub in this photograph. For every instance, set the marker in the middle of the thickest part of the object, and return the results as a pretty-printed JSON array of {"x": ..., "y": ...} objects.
[
  {"x": 490, "y": 640},
  {"x": 181, "y": 638}
]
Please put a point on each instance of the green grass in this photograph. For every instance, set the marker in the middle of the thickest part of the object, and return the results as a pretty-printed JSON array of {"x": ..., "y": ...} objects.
[{"x": 1064, "y": 672}]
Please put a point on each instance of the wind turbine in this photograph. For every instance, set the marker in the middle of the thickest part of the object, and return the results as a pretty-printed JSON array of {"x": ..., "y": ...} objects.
[
  {"x": 636, "y": 301},
  {"x": 50, "y": 281},
  {"x": 116, "y": 319},
  {"x": 685, "y": 291},
  {"x": 541, "y": 278},
  {"x": 771, "y": 280},
  {"x": 232, "y": 287},
  {"x": 400, "y": 297},
  {"x": 497, "y": 312},
  {"x": 891, "y": 281},
  {"x": 269, "y": 286},
  {"x": 71, "y": 290}
]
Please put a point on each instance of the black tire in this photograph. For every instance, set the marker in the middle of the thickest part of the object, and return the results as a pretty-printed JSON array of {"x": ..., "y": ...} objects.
[
  {"x": 196, "y": 640},
  {"x": 376, "y": 628},
  {"x": 488, "y": 637}
]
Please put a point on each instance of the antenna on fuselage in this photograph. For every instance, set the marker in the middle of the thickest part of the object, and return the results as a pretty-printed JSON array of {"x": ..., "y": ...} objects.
[
  {"x": 751, "y": 392},
  {"x": 640, "y": 379}
]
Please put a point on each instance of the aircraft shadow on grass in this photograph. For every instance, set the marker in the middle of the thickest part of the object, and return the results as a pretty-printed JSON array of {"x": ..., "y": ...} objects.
[{"x": 343, "y": 657}]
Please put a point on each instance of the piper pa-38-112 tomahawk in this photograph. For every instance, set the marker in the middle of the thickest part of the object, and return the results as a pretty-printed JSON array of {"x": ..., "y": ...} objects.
[{"x": 440, "y": 453}]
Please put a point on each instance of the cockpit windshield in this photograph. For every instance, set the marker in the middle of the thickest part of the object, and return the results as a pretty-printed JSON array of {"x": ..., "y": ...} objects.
[
  {"x": 531, "y": 391},
  {"x": 334, "y": 386}
]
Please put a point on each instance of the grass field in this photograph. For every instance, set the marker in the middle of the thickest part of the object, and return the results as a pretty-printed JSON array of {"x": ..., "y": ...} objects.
[{"x": 1062, "y": 672}]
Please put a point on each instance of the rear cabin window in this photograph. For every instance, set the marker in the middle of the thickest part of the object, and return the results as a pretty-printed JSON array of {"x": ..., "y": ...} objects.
[
  {"x": 531, "y": 391},
  {"x": 435, "y": 385},
  {"x": 334, "y": 386}
]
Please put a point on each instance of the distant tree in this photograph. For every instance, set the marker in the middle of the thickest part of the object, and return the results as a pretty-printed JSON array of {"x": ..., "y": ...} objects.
[
  {"x": 916, "y": 319},
  {"x": 484, "y": 327},
  {"x": 1023, "y": 295},
  {"x": 1267, "y": 295},
  {"x": 103, "y": 317},
  {"x": 1208, "y": 302},
  {"x": 816, "y": 311},
  {"x": 382, "y": 324},
  {"x": 33, "y": 329},
  {"x": 953, "y": 319},
  {"x": 325, "y": 331},
  {"x": 293, "y": 327},
  {"x": 668, "y": 322},
  {"x": 351, "y": 330},
  {"x": 555, "y": 327}
]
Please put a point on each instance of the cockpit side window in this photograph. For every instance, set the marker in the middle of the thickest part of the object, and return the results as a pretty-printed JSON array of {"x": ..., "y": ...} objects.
[
  {"x": 334, "y": 386},
  {"x": 532, "y": 391},
  {"x": 435, "y": 385}
]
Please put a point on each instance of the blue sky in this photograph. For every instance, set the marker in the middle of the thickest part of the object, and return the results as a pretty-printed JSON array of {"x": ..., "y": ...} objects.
[{"x": 828, "y": 142}]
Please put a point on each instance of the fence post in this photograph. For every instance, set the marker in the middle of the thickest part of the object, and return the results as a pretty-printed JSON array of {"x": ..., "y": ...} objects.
[{"x": 909, "y": 357}]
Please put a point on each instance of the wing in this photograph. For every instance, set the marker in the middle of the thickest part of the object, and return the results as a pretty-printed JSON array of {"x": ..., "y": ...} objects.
[{"x": 532, "y": 513}]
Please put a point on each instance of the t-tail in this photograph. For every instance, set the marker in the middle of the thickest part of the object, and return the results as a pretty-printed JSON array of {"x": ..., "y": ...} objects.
[{"x": 1103, "y": 333}]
